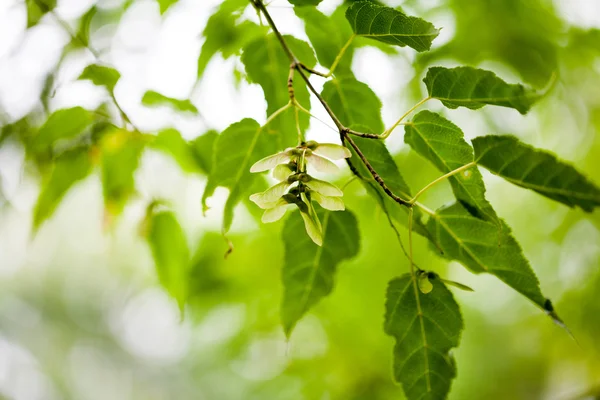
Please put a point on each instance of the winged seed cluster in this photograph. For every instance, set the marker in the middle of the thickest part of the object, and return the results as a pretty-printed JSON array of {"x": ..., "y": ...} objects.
[{"x": 297, "y": 188}]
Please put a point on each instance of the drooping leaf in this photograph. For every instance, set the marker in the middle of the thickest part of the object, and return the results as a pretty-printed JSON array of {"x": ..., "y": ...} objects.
[
  {"x": 267, "y": 64},
  {"x": 121, "y": 151},
  {"x": 67, "y": 170},
  {"x": 235, "y": 150},
  {"x": 62, "y": 124},
  {"x": 482, "y": 246},
  {"x": 101, "y": 75},
  {"x": 155, "y": 99},
  {"x": 474, "y": 88},
  {"x": 442, "y": 143},
  {"x": 426, "y": 328},
  {"x": 328, "y": 35},
  {"x": 358, "y": 107},
  {"x": 202, "y": 148},
  {"x": 36, "y": 9},
  {"x": 225, "y": 34},
  {"x": 171, "y": 255},
  {"x": 536, "y": 169},
  {"x": 164, "y": 5},
  {"x": 309, "y": 270},
  {"x": 391, "y": 26},
  {"x": 83, "y": 31},
  {"x": 170, "y": 142}
]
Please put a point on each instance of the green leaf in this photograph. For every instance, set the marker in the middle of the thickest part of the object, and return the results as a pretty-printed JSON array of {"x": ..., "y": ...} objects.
[
  {"x": 170, "y": 142},
  {"x": 203, "y": 147},
  {"x": 155, "y": 99},
  {"x": 537, "y": 170},
  {"x": 62, "y": 124},
  {"x": 36, "y": 9},
  {"x": 426, "y": 328},
  {"x": 442, "y": 143},
  {"x": 121, "y": 151},
  {"x": 83, "y": 31},
  {"x": 483, "y": 247},
  {"x": 309, "y": 270},
  {"x": 358, "y": 107},
  {"x": 171, "y": 255},
  {"x": 223, "y": 34},
  {"x": 300, "y": 3},
  {"x": 235, "y": 150},
  {"x": 391, "y": 26},
  {"x": 165, "y": 4},
  {"x": 474, "y": 88},
  {"x": 68, "y": 169},
  {"x": 328, "y": 35},
  {"x": 267, "y": 64},
  {"x": 101, "y": 76}
]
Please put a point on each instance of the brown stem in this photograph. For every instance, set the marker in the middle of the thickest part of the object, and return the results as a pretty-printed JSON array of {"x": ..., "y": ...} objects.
[{"x": 344, "y": 131}]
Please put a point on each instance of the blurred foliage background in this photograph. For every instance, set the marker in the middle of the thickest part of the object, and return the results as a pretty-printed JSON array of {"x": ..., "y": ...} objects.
[{"x": 82, "y": 314}]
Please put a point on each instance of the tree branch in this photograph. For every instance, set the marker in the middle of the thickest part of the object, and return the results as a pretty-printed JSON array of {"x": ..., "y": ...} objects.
[{"x": 344, "y": 131}]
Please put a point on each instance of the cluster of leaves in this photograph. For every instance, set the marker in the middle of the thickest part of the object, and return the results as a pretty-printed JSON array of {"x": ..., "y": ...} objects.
[{"x": 420, "y": 311}]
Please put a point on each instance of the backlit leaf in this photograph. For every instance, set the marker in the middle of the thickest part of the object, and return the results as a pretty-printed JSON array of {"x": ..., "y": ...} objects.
[
  {"x": 62, "y": 124},
  {"x": 67, "y": 170},
  {"x": 426, "y": 328},
  {"x": 101, "y": 76},
  {"x": 391, "y": 26},
  {"x": 121, "y": 151},
  {"x": 225, "y": 34},
  {"x": 202, "y": 148},
  {"x": 442, "y": 143},
  {"x": 482, "y": 246},
  {"x": 328, "y": 35},
  {"x": 155, "y": 99},
  {"x": 171, "y": 255},
  {"x": 536, "y": 169},
  {"x": 170, "y": 142},
  {"x": 267, "y": 64},
  {"x": 309, "y": 270},
  {"x": 235, "y": 150},
  {"x": 36, "y": 9},
  {"x": 305, "y": 2},
  {"x": 164, "y": 5},
  {"x": 474, "y": 88}
]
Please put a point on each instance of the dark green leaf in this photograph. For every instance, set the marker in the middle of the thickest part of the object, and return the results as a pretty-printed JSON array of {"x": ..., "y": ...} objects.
[
  {"x": 225, "y": 35},
  {"x": 67, "y": 170},
  {"x": 388, "y": 25},
  {"x": 426, "y": 328},
  {"x": 309, "y": 270},
  {"x": 235, "y": 150},
  {"x": 171, "y": 254},
  {"x": 170, "y": 142},
  {"x": 358, "y": 107},
  {"x": 328, "y": 36},
  {"x": 537, "y": 170},
  {"x": 101, "y": 76},
  {"x": 482, "y": 246},
  {"x": 442, "y": 143},
  {"x": 165, "y": 4},
  {"x": 202, "y": 148},
  {"x": 155, "y": 99},
  {"x": 267, "y": 64},
  {"x": 62, "y": 124},
  {"x": 474, "y": 88},
  {"x": 305, "y": 2},
  {"x": 83, "y": 32},
  {"x": 36, "y": 9},
  {"x": 121, "y": 151}
]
